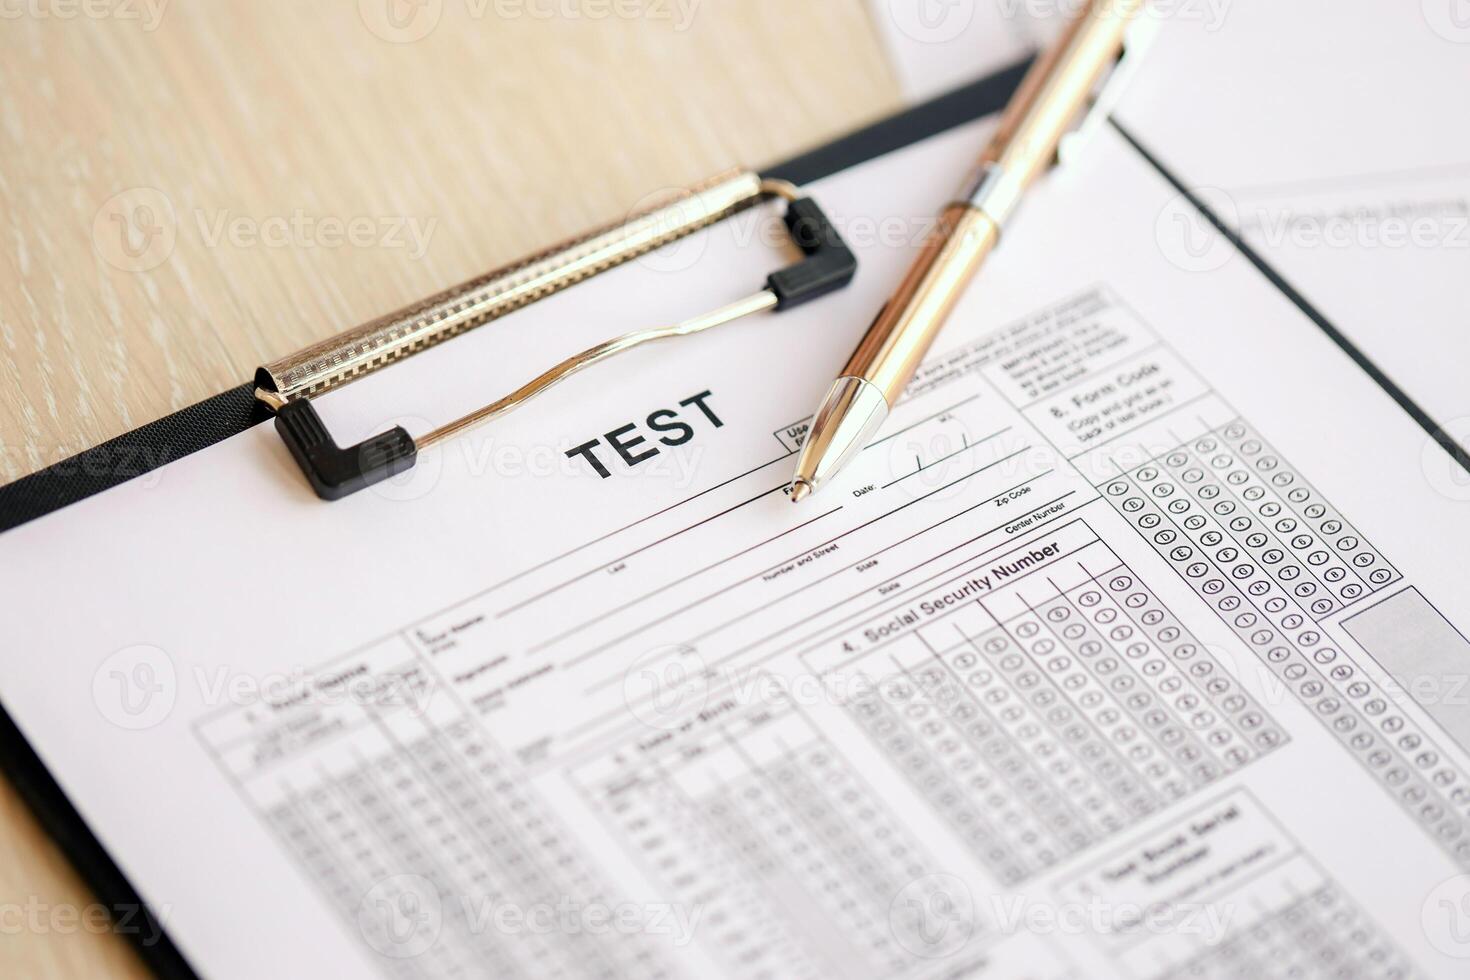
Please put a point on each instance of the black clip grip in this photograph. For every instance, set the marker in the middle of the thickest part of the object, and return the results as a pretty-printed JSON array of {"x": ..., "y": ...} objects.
[
  {"x": 335, "y": 472},
  {"x": 829, "y": 266}
]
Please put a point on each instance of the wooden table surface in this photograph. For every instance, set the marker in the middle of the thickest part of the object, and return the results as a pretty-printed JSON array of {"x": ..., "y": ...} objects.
[{"x": 191, "y": 189}]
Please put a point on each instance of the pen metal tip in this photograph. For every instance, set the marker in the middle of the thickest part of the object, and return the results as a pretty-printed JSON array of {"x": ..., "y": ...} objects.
[{"x": 800, "y": 489}]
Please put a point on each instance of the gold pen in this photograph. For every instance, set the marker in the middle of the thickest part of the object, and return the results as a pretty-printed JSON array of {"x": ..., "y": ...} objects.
[{"x": 1052, "y": 96}]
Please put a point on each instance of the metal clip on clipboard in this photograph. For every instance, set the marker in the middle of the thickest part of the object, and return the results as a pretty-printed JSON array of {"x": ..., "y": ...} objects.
[{"x": 287, "y": 386}]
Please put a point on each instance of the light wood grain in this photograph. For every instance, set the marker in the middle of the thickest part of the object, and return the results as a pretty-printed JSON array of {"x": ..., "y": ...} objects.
[{"x": 498, "y": 133}]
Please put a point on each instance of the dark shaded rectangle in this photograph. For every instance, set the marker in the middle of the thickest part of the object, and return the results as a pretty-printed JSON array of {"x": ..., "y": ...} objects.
[{"x": 1424, "y": 653}]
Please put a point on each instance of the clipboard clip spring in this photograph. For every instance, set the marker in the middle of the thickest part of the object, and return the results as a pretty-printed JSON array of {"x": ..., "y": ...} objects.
[{"x": 335, "y": 472}]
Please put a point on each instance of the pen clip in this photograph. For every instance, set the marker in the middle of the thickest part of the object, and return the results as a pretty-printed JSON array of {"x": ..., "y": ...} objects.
[{"x": 1136, "y": 39}]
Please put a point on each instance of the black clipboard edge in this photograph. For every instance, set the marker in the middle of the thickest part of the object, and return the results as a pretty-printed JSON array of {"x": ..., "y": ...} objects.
[
  {"x": 130, "y": 455},
  {"x": 1422, "y": 418},
  {"x": 110, "y": 888},
  {"x": 231, "y": 412}
]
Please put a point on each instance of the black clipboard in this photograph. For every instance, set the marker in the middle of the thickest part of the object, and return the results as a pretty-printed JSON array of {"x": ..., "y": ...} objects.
[{"x": 234, "y": 411}]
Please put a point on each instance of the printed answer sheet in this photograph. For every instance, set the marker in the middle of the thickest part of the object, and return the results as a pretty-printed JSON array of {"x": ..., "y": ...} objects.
[{"x": 1132, "y": 648}]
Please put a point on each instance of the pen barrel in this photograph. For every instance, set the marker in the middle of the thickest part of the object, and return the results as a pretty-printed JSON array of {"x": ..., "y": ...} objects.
[
  {"x": 899, "y": 338},
  {"x": 1056, "y": 93}
]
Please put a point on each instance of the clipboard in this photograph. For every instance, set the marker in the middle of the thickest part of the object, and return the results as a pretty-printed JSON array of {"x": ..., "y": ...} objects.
[{"x": 238, "y": 409}]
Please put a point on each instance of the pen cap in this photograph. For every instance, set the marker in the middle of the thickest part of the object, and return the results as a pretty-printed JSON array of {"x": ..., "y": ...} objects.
[{"x": 1054, "y": 97}]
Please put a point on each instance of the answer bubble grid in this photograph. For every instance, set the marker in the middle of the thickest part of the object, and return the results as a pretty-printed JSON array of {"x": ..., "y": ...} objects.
[
  {"x": 419, "y": 830},
  {"x": 1053, "y": 728},
  {"x": 756, "y": 816},
  {"x": 1271, "y": 557},
  {"x": 1280, "y": 519}
]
